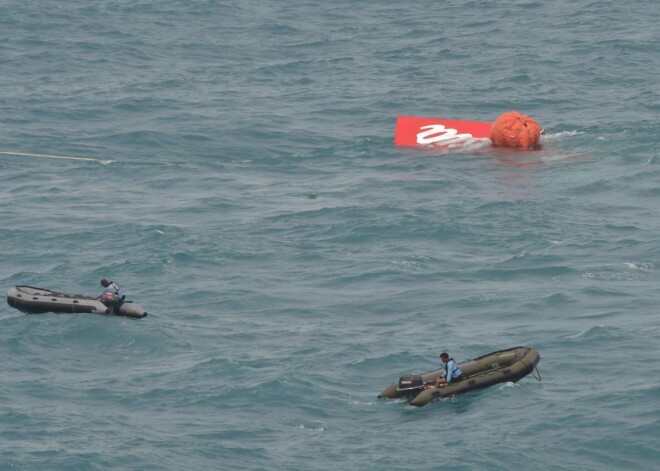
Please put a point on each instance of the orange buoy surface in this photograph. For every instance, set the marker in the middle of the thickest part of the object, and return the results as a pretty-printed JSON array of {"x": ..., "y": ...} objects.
[{"x": 516, "y": 130}]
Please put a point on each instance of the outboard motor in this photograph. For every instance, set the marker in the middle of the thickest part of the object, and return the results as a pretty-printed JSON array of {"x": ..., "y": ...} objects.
[
  {"x": 112, "y": 301},
  {"x": 410, "y": 384}
]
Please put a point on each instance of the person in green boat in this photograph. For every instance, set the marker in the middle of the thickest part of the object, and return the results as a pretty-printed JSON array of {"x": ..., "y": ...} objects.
[
  {"x": 111, "y": 287},
  {"x": 451, "y": 374}
]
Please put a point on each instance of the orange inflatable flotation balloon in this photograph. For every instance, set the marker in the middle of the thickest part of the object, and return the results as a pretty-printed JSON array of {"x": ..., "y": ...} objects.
[{"x": 517, "y": 130}]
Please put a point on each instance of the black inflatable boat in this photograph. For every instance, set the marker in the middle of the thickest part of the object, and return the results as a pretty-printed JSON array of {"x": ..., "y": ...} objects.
[
  {"x": 511, "y": 365},
  {"x": 39, "y": 300}
]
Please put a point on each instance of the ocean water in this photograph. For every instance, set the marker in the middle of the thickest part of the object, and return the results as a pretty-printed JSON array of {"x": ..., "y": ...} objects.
[{"x": 231, "y": 166}]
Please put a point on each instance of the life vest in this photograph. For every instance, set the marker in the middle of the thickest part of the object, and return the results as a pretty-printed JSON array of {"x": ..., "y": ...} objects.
[
  {"x": 114, "y": 289},
  {"x": 456, "y": 372}
]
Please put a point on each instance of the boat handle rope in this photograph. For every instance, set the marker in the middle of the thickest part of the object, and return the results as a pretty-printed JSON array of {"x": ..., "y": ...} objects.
[{"x": 536, "y": 376}]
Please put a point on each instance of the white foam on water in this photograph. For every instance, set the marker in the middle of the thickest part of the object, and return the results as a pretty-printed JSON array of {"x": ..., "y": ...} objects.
[
  {"x": 63, "y": 157},
  {"x": 559, "y": 135}
]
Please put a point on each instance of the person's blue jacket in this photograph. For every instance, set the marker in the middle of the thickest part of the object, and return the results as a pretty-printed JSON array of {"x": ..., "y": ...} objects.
[{"x": 452, "y": 371}]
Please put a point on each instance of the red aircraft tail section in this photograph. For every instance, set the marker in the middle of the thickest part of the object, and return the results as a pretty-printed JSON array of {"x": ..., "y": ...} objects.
[{"x": 419, "y": 132}]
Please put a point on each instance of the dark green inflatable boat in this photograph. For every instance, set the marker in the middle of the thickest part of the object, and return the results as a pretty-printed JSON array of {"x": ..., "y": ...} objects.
[
  {"x": 39, "y": 300},
  {"x": 510, "y": 365}
]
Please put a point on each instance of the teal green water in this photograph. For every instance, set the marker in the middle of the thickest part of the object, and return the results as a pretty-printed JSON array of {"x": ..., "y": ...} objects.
[{"x": 242, "y": 185}]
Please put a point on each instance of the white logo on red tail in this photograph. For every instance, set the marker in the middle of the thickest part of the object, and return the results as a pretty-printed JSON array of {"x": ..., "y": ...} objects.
[{"x": 439, "y": 133}]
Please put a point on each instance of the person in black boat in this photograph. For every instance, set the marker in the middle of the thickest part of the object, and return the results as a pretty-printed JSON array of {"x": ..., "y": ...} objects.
[{"x": 452, "y": 372}]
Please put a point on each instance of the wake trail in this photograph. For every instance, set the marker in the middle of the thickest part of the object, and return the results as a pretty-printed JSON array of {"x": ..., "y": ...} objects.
[{"x": 62, "y": 157}]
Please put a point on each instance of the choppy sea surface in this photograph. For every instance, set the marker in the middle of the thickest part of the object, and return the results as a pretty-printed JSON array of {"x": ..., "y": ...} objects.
[{"x": 230, "y": 164}]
